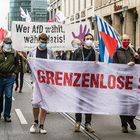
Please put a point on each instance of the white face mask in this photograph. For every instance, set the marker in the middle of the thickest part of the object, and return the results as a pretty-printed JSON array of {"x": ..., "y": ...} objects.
[{"x": 89, "y": 43}]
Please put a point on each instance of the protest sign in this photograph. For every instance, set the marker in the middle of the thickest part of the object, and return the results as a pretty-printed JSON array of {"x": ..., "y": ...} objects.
[{"x": 25, "y": 34}]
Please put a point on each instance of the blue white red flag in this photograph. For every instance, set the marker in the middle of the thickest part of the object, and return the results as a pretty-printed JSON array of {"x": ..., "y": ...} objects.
[{"x": 108, "y": 40}]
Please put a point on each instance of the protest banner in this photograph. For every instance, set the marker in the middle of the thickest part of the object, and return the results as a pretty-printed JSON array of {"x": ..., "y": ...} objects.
[
  {"x": 68, "y": 86},
  {"x": 25, "y": 34}
]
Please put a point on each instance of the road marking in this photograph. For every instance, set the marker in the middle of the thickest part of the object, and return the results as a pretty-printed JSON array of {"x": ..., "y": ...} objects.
[
  {"x": 137, "y": 118},
  {"x": 20, "y": 116},
  {"x": 13, "y": 98}
]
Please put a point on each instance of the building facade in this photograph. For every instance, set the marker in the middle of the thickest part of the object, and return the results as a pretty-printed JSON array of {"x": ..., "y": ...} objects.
[
  {"x": 14, "y": 14},
  {"x": 36, "y": 8},
  {"x": 39, "y": 10},
  {"x": 123, "y": 15},
  {"x": 74, "y": 10}
]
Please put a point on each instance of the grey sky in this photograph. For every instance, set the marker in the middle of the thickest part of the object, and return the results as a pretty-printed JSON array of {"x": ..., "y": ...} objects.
[{"x": 4, "y": 8}]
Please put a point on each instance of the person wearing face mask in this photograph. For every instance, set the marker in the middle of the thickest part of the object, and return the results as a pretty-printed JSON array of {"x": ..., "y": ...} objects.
[
  {"x": 39, "y": 114},
  {"x": 84, "y": 53},
  {"x": 76, "y": 43},
  {"x": 126, "y": 55},
  {"x": 8, "y": 69},
  {"x": 67, "y": 55}
]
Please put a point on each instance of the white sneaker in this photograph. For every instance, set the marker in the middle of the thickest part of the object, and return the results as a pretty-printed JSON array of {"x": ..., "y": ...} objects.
[
  {"x": 42, "y": 131},
  {"x": 34, "y": 128}
]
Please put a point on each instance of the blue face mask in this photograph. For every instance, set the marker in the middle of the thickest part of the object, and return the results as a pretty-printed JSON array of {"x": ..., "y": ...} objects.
[
  {"x": 43, "y": 45},
  {"x": 7, "y": 47},
  {"x": 76, "y": 46}
]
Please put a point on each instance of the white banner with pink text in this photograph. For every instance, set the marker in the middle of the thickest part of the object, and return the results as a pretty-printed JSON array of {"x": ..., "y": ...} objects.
[{"x": 86, "y": 87}]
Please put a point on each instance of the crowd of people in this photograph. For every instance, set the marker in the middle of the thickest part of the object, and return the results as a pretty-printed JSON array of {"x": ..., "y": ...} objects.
[{"x": 13, "y": 65}]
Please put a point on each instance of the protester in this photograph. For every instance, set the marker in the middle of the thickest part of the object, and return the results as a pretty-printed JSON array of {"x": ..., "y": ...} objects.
[
  {"x": 76, "y": 43},
  {"x": 67, "y": 55},
  {"x": 138, "y": 60},
  {"x": 126, "y": 55},
  {"x": 84, "y": 53},
  {"x": 58, "y": 55},
  {"x": 8, "y": 68},
  {"x": 21, "y": 70},
  {"x": 42, "y": 51}
]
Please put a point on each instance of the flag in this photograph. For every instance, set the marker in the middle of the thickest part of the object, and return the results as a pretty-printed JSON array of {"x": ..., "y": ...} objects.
[
  {"x": 3, "y": 34},
  {"x": 25, "y": 15},
  {"x": 28, "y": 18},
  {"x": 59, "y": 16},
  {"x": 22, "y": 13},
  {"x": 108, "y": 40},
  {"x": 51, "y": 20}
]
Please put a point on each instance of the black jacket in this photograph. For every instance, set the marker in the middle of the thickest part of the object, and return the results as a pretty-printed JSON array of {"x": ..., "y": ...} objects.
[
  {"x": 79, "y": 55},
  {"x": 123, "y": 56}
]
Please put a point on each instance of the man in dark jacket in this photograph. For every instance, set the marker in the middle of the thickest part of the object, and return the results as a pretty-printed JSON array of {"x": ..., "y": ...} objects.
[
  {"x": 138, "y": 60},
  {"x": 126, "y": 55},
  {"x": 85, "y": 53},
  {"x": 8, "y": 67}
]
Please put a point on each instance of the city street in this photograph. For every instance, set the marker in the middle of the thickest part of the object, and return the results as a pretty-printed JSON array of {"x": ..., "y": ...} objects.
[
  {"x": 59, "y": 125},
  {"x": 84, "y": 56}
]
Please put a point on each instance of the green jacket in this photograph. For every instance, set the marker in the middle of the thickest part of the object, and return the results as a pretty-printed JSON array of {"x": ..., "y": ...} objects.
[{"x": 8, "y": 63}]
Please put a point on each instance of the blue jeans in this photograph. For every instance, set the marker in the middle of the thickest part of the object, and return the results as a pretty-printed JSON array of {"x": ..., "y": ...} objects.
[
  {"x": 1, "y": 104},
  {"x": 6, "y": 88}
]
